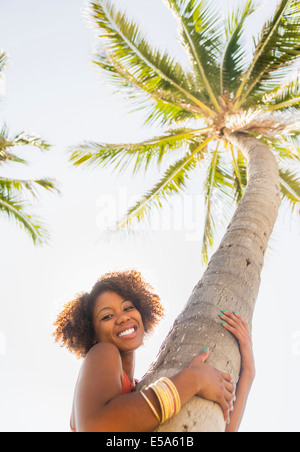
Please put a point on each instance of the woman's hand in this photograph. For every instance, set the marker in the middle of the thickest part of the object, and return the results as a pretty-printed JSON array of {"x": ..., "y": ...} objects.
[
  {"x": 214, "y": 385},
  {"x": 234, "y": 323}
]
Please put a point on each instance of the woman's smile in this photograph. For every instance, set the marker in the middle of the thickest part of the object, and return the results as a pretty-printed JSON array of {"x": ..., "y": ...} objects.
[{"x": 128, "y": 333}]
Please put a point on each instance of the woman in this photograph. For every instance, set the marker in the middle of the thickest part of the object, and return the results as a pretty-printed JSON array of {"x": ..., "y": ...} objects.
[{"x": 106, "y": 327}]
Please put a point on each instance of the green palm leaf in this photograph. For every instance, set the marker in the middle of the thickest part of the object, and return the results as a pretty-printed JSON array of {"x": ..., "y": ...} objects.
[
  {"x": 278, "y": 48},
  {"x": 161, "y": 106},
  {"x": 218, "y": 181},
  {"x": 286, "y": 97},
  {"x": 13, "y": 191},
  {"x": 13, "y": 204},
  {"x": 166, "y": 112},
  {"x": 17, "y": 209},
  {"x": 133, "y": 86},
  {"x": 31, "y": 186},
  {"x": 239, "y": 167},
  {"x": 21, "y": 139},
  {"x": 150, "y": 67},
  {"x": 3, "y": 60},
  {"x": 140, "y": 155},
  {"x": 201, "y": 33},
  {"x": 286, "y": 147},
  {"x": 209, "y": 224},
  {"x": 6, "y": 156},
  {"x": 173, "y": 181},
  {"x": 290, "y": 186},
  {"x": 233, "y": 59}
]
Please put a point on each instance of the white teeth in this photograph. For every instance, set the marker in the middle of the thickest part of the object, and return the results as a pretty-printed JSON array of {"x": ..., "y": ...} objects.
[{"x": 127, "y": 332}]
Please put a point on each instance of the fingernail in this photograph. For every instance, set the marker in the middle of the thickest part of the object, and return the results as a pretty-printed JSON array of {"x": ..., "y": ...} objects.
[
  {"x": 228, "y": 422},
  {"x": 221, "y": 315},
  {"x": 235, "y": 312},
  {"x": 206, "y": 349},
  {"x": 224, "y": 310},
  {"x": 223, "y": 323}
]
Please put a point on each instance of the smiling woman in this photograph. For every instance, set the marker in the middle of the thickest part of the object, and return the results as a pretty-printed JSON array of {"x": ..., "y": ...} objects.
[{"x": 106, "y": 327}]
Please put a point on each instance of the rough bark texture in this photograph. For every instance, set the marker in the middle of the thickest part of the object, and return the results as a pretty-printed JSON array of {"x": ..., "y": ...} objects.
[{"x": 231, "y": 281}]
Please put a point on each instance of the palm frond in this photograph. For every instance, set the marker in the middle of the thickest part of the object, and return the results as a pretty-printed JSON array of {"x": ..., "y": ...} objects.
[
  {"x": 21, "y": 139},
  {"x": 18, "y": 210},
  {"x": 201, "y": 34},
  {"x": 6, "y": 156},
  {"x": 3, "y": 60},
  {"x": 10, "y": 186},
  {"x": 209, "y": 225},
  {"x": 140, "y": 155},
  {"x": 162, "y": 106},
  {"x": 277, "y": 49},
  {"x": 126, "y": 44},
  {"x": 287, "y": 148},
  {"x": 217, "y": 180},
  {"x": 165, "y": 112},
  {"x": 13, "y": 191},
  {"x": 233, "y": 59},
  {"x": 290, "y": 186},
  {"x": 239, "y": 167},
  {"x": 173, "y": 181},
  {"x": 285, "y": 97}
]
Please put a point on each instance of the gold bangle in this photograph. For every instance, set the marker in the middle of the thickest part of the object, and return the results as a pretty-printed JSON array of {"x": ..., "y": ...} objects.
[
  {"x": 158, "y": 394},
  {"x": 174, "y": 392},
  {"x": 150, "y": 406},
  {"x": 168, "y": 398}
]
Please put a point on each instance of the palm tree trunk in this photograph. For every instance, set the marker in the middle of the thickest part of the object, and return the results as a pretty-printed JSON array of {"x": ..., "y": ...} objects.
[{"x": 231, "y": 282}]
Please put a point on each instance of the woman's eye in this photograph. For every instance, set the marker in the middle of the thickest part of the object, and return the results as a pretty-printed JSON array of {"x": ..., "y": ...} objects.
[
  {"x": 129, "y": 308},
  {"x": 107, "y": 317}
]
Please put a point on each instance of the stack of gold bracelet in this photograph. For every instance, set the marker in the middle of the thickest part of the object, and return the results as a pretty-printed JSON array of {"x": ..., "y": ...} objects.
[{"x": 168, "y": 397}]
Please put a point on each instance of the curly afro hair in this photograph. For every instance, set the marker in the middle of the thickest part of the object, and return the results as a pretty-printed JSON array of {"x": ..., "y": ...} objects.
[{"x": 74, "y": 325}]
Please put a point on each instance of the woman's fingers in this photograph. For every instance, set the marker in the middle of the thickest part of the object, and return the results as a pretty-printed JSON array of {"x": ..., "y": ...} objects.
[
  {"x": 230, "y": 387},
  {"x": 228, "y": 397},
  {"x": 235, "y": 324},
  {"x": 232, "y": 319},
  {"x": 225, "y": 408},
  {"x": 226, "y": 403}
]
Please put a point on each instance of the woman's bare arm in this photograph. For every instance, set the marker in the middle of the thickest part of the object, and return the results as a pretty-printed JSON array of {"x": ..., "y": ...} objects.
[{"x": 100, "y": 405}]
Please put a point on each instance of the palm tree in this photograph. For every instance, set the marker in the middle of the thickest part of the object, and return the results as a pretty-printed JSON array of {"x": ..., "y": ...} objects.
[
  {"x": 13, "y": 192},
  {"x": 234, "y": 108}
]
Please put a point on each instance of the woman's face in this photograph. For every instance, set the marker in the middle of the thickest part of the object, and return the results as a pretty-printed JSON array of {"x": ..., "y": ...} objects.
[{"x": 116, "y": 320}]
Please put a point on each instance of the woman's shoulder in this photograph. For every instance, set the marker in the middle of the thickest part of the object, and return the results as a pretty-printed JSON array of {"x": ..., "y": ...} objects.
[
  {"x": 101, "y": 368},
  {"x": 99, "y": 380},
  {"x": 103, "y": 348},
  {"x": 103, "y": 355}
]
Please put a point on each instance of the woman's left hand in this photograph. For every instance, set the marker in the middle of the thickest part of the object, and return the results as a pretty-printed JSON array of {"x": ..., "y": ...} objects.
[{"x": 234, "y": 323}]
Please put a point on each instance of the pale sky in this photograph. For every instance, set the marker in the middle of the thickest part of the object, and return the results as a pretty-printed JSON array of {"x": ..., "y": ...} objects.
[{"x": 53, "y": 90}]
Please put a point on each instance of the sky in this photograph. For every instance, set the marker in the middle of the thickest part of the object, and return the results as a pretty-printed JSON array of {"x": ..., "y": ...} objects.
[{"x": 52, "y": 89}]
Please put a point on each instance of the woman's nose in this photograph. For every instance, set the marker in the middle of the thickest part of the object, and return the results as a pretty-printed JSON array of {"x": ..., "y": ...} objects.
[{"x": 122, "y": 317}]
